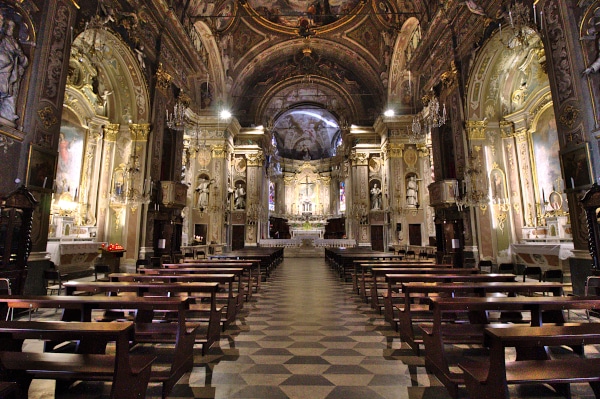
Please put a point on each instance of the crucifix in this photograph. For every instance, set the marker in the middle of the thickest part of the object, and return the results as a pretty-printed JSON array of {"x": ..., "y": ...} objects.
[{"x": 306, "y": 206}]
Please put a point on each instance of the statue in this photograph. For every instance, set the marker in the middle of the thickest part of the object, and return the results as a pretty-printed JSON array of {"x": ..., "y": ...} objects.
[
  {"x": 375, "y": 197},
  {"x": 12, "y": 67},
  {"x": 203, "y": 190},
  {"x": 412, "y": 191},
  {"x": 239, "y": 197}
]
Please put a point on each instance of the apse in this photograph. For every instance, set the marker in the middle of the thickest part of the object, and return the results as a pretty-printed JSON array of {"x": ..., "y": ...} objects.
[{"x": 307, "y": 133}]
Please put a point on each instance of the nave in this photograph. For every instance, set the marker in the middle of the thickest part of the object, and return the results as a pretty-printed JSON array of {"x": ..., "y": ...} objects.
[{"x": 305, "y": 334}]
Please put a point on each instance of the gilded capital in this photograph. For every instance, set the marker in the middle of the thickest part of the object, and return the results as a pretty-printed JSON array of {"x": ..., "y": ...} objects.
[
  {"x": 506, "y": 129},
  {"x": 219, "y": 151},
  {"x": 396, "y": 150},
  {"x": 139, "y": 131},
  {"x": 476, "y": 129},
  {"x": 359, "y": 158},
  {"x": 110, "y": 132},
  {"x": 256, "y": 159}
]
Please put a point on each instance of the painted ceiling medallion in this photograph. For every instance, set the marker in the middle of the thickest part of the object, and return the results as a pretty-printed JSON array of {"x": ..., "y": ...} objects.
[{"x": 305, "y": 15}]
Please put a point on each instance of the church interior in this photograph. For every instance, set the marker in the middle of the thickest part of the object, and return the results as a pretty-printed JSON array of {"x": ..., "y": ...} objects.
[{"x": 153, "y": 131}]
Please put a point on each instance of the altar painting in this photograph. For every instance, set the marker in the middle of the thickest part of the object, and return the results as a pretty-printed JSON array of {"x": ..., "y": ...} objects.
[
  {"x": 70, "y": 158},
  {"x": 545, "y": 152}
]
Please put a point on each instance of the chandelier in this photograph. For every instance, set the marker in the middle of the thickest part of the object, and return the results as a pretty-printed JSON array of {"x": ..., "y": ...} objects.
[
  {"x": 176, "y": 119},
  {"x": 518, "y": 16},
  {"x": 474, "y": 186},
  {"x": 128, "y": 189},
  {"x": 430, "y": 117}
]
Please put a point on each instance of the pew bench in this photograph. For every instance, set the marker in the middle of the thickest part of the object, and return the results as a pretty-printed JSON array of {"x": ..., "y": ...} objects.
[
  {"x": 251, "y": 274},
  {"x": 128, "y": 373},
  {"x": 202, "y": 302},
  {"x": 483, "y": 380},
  {"x": 476, "y": 311},
  {"x": 151, "y": 326},
  {"x": 227, "y": 300},
  {"x": 417, "y": 295},
  {"x": 394, "y": 296},
  {"x": 379, "y": 285}
]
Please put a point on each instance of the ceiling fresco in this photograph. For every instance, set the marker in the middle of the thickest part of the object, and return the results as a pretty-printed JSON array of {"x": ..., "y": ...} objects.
[
  {"x": 307, "y": 133},
  {"x": 293, "y": 13}
]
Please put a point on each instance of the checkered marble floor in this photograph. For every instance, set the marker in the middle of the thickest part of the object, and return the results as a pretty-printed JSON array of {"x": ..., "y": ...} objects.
[{"x": 305, "y": 335}]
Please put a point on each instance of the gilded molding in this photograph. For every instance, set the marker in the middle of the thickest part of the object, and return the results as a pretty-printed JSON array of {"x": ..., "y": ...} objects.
[
  {"x": 506, "y": 129},
  {"x": 256, "y": 159},
  {"x": 569, "y": 116},
  {"x": 139, "y": 131},
  {"x": 47, "y": 116},
  {"x": 396, "y": 150},
  {"x": 219, "y": 151},
  {"x": 110, "y": 132},
  {"x": 476, "y": 129},
  {"x": 163, "y": 79}
]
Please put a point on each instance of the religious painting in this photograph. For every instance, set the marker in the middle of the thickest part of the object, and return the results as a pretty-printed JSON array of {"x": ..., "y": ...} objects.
[
  {"x": 314, "y": 12},
  {"x": 70, "y": 158},
  {"x": 576, "y": 166},
  {"x": 305, "y": 134},
  {"x": 545, "y": 146},
  {"x": 224, "y": 15},
  {"x": 497, "y": 186},
  {"x": 342, "y": 196},
  {"x": 40, "y": 173},
  {"x": 271, "y": 196}
]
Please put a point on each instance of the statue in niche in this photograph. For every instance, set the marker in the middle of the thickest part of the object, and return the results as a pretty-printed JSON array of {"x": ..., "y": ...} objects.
[
  {"x": 375, "y": 197},
  {"x": 412, "y": 192},
  {"x": 12, "y": 68},
  {"x": 239, "y": 197},
  {"x": 203, "y": 192}
]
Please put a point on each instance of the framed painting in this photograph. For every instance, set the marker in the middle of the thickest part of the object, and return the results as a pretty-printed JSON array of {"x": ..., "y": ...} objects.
[
  {"x": 576, "y": 166},
  {"x": 41, "y": 167}
]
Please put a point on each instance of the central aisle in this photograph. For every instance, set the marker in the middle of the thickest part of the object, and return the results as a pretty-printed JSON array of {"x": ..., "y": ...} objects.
[{"x": 306, "y": 335}]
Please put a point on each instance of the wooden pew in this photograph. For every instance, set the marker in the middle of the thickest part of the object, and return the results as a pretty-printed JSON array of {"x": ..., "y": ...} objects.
[
  {"x": 147, "y": 311},
  {"x": 476, "y": 311},
  {"x": 247, "y": 279},
  {"x": 379, "y": 286},
  {"x": 393, "y": 295},
  {"x": 362, "y": 277},
  {"x": 483, "y": 380},
  {"x": 229, "y": 301},
  {"x": 415, "y": 308},
  {"x": 129, "y": 373},
  {"x": 252, "y": 269}
]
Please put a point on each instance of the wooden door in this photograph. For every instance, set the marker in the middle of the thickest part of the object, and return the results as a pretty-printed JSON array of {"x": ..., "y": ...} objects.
[
  {"x": 237, "y": 240},
  {"x": 377, "y": 238},
  {"x": 414, "y": 234}
]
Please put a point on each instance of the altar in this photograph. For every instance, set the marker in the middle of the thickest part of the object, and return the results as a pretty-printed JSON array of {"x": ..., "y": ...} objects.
[
  {"x": 544, "y": 255},
  {"x": 73, "y": 256},
  {"x": 307, "y": 233}
]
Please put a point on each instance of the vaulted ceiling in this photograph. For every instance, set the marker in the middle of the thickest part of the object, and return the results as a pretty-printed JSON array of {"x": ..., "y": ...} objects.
[{"x": 283, "y": 54}]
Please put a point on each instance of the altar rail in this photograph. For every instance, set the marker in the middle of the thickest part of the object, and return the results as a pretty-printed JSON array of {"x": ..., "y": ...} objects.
[{"x": 317, "y": 242}]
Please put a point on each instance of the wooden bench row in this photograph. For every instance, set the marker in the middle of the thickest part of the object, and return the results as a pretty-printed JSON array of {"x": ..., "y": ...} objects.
[{"x": 152, "y": 323}]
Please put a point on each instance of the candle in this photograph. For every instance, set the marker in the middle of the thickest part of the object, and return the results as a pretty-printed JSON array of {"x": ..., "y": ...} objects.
[
  {"x": 541, "y": 20},
  {"x": 534, "y": 16},
  {"x": 543, "y": 196},
  {"x": 45, "y": 179},
  {"x": 500, "y": 26},
  {"x": 510, "y": 17},
  {"x": 572, "y": 183}
]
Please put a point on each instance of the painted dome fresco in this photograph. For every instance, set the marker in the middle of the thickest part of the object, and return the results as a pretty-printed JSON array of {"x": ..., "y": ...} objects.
[{"x": 306, "y": 133}]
